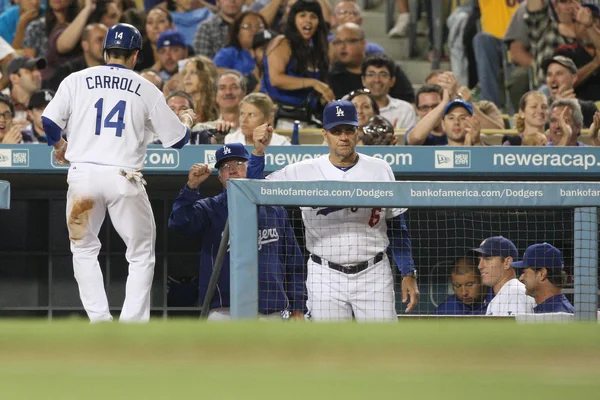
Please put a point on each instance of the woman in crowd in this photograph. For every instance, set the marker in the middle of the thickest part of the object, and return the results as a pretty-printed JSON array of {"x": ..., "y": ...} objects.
[
  {"x": 158, "y": 20},
  {"x": 366, "y": 106},
  {"x": 238, "y": 52},
  {"x": 197, "y": 81},
  {"x": 296, "y": 63},
  {"x": 531, "y": 118},
  {"x": 255, "y": 109}
]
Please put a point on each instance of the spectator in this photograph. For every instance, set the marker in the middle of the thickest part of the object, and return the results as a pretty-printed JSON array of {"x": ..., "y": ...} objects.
[
  {"x": 171, "y": 49},
  {"x": 15, "y": 19},
  {"x": 92, "y": 43},
  {"x": 530, "y": 121},
  {"x": 256, "y": 109},
  {"x": 259, "y": 45},
  {"x": 485, "y": 111},
  {"x": 366, "y": 107},
  {"x": 179, "y": 101},
  {"x": 488, "y": 47},
  {"x": 584, "y": 54},
  {"x": 107, "y": 12},
  {"x": 349, "y": 11},
  {"x": 496, "y": 255},
  {"x": 9, "y": 132},
  {"x": 378, "y": 131},
  {"x": 349, "y": 49},
  {"x": 400, "y": 29},
  {"x": 231, "y": 89},
  {"x": 24, "y": 78},
  {"x": 296, "y": 63},
  {"x": 35, "y": 42},
  {"x": 378, "y": 77},
  {"x": 281, "y": 274},
  {"x": 34, "y": 132},
  {"x": 544, "y": 276},
  {"x": 429, "y": 96},
  {"x": 517, "y": 40},
  {"x": 187, "y": 15},
  {"x": 561, "y": 75},
  {"x": 470, "y": 296},
  {"x": 237, "y": 55},
  {"x": 198, "y": 83},
  {"x": 154, "y": 77},
  {"x": 546, "y": 32},
  {"x": 212, "y": 33},
  {"x": 565, "y": 123},
  {"x": 6, "y": 54},
  {"x": 158, "y": 21},
  {"x": 456, "y": 116}
]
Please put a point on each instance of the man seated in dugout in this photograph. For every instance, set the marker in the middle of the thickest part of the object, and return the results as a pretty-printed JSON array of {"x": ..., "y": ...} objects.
[{"x": 470, "y": 296}]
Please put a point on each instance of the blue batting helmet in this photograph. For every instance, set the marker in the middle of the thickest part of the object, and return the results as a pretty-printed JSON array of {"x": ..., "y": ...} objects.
[{"x": 123, "y": 36}]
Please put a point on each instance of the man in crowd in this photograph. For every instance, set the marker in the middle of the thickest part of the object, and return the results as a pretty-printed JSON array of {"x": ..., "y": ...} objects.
[
  {"x": 24, "y": 78},
  {"x": 561, "y": 75},
  {"x": 496, "y": 255},
  {"x": 92, "y": 41},
  {"x": 470, "y": 296},
  {"x": 428, "y": 97},
  {"x": 9, "y": 133},
  {"x": 542, "y": 272},
  {"x": 171, "y": 49},
  {"x": 566, "y": 121},
  {"x": 34, "y": 132},
  {"x": 349, "y": 11},
  {"x": 378, "y": 76},
  {"x": 212, "y": 34}
]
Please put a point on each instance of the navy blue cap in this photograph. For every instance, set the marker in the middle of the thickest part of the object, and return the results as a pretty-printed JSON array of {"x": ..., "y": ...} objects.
[
  {"x": 339, "y": 112},
  {"x": 170, "y": 38},
  {"x": 593, "y": 8},
  {"x": 458, "y": 103},
  {"x": 231, "y": 150},
  {"x": 497, "y": 246},
  {"x": 542, "y": 255}
]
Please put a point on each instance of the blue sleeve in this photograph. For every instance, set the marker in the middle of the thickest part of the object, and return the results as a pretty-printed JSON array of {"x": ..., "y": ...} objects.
[
  {"x": 373, "y": 48},
  {"x": 400, "y": 243},
  {"x": 293, "y": 259},
  {"x": 225, "y": 58},
  {"x": 183, "y": 141},
  {"x": 256, "y": 167},
  {"x": 52, "y": 130},
  {"x": 190, "y": 214}
]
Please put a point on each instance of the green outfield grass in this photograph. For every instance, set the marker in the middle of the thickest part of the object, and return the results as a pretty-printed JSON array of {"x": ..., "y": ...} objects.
[{"x": 195, "y": 360}]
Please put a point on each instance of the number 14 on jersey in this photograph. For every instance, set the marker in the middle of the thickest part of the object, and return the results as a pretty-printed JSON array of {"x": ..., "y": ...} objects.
[{"x": 117, "y": 112}]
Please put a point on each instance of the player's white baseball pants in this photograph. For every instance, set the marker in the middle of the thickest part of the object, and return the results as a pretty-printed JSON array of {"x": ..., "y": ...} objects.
[
  {"x": 131, "y": 215},
  {"x": 334, "y": 295}
]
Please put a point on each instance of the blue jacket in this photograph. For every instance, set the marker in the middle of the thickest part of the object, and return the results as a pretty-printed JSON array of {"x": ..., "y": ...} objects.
[
  {"x": 554, "y": 304},
  {"x": 453, "y": 306},
  {"x": 397, "y": 230},
  {"x": 281, "y": 263}
]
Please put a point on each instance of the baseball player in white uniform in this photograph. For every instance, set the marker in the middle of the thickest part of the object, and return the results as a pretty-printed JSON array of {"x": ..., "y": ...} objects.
[
  {"x": 109, "y": 114},
  {"x": 496, "y": 255},
  {"x": 348, "y": 271}
]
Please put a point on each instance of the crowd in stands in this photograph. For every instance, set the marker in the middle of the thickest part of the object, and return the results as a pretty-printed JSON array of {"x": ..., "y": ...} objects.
[{"x": 529, "y": 65}]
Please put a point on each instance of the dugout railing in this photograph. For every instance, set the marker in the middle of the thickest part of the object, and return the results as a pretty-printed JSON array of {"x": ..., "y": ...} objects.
[{"x": 245, "y": 195}]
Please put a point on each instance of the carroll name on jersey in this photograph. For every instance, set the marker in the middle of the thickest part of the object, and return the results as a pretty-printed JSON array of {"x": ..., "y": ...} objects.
[{"x": 112, "y": 82}]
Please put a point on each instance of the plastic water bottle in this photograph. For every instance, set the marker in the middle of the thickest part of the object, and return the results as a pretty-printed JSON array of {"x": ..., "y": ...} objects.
[{"x": 296, "y": 133}]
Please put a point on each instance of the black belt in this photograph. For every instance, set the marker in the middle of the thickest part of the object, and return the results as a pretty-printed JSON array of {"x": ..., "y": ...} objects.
[{"x": 349, "y": 269}]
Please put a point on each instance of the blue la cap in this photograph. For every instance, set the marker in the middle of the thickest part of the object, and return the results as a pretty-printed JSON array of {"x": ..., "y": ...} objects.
[
  {"x": 231, "y": 150},
  {"x": 339, "y": 112},
  {"x": 170, "y": 38},
  {"x": 540, "y": 255},
  {"x": 497, "y": 246},
  {"x": 458, "y": 103}
]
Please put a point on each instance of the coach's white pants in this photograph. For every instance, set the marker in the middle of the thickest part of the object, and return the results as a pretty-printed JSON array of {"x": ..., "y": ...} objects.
[
  {"x": 334, "y": 296},
  {"x": 131, "y": 215}
]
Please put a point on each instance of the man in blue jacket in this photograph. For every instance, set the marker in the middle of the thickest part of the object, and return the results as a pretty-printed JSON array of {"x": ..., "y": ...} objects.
[
  {"x": 541, "y": 270},
  {"x": 281, "y": 277}
]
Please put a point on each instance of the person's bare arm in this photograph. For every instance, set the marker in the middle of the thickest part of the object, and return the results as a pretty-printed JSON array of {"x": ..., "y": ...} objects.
[
  {"x": 428, "y": 123},
  {"x": 535, "y": 5},
  {"x": 24, "y": 20},
  {"x": 270, "y": 11},
  {"x": 519, "y": 54},
  {"x": 69, "y": 38},
  {"x": 327, "y": 9},
  {"x": 3, "y": 64},
  {"x": 587, "y": 70}
]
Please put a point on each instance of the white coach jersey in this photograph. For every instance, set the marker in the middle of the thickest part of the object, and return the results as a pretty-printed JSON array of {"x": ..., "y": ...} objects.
[
  {"x": 343, "y": 235},
  {"x": 110, "y": 114},
  {"x": 511, "y": 300}
]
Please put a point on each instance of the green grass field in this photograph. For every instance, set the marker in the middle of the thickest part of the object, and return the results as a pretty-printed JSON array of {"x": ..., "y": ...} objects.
[{"x": 195, "y": 360}]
